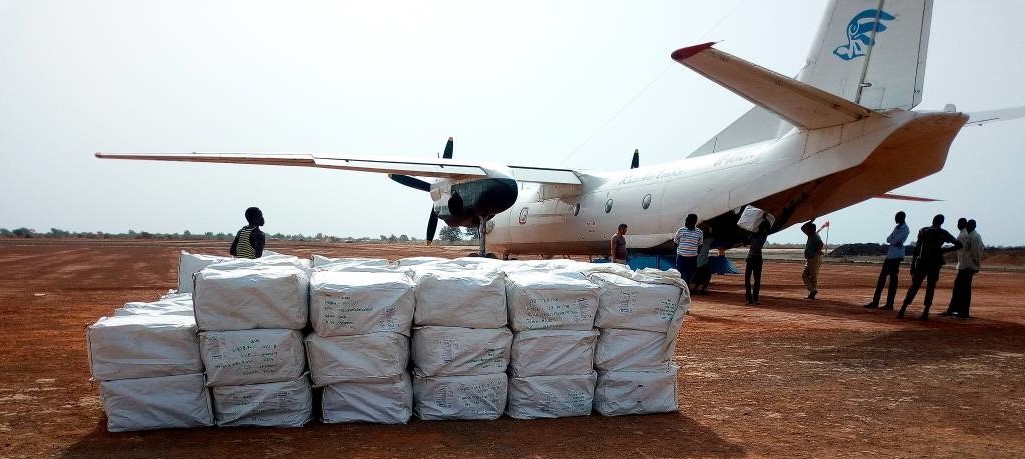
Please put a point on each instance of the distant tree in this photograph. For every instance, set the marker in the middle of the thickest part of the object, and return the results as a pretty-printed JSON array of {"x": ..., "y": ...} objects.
[
  {"x": 54, "y": 232},
  {"x": 384, "y": 238},
  {"x": 186, "y": 234},
  {"x": 472, "y": 233},
  {"x": 450, "y": 233},
  {"x": 4, "y": 232},
  {"x": 393, "y": 239},
  {"x": 23, "y": 232},
  {"x": 403, "y": 238}
]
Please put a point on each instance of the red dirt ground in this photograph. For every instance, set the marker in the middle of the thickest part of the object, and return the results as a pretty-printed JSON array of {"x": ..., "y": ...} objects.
[{"x": 790, "y": 378}]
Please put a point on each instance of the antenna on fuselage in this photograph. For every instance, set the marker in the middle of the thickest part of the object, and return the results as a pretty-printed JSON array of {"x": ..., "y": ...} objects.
[{"x": 636, "y": 161}]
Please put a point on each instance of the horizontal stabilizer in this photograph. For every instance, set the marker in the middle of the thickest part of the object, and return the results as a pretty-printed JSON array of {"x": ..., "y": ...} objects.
[
  {"x": 992, "y": 116},
  {"x": 801, "y": 104}
]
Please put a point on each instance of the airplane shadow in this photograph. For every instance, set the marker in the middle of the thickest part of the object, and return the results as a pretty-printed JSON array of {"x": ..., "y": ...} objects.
[{"x": 655, "y": 435}]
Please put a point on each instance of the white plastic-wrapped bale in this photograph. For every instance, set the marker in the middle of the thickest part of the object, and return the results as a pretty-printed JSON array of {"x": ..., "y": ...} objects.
[
  {"x": 192, "y": 263},
  {"x": 389, "y": 402},
  {"x": 450, "y": 351},
  {"x": 143, "y": 346},
  {"x": 172, "y": 307},
  {"x": 277, "y": 404},
  {"x": 534, "y": 397},
  {"x": 627, "y": 303},
  {"x": 156, "y": 403},
  {"x": 357, "y": 303},
  {"x": 460, "y": 397},
  {"x": 552, "y": 352},
  {"x": 269, "y": 259},
  {"x": 319, "y": 261},
  {"x": 370, "y": 358},
  {"x": 636, "y": 392},
  {"x": 464, "y": 298},
  {"x": 540, "y": 300},
  {"x": 622, "y": 349},
  {"x": 546, "y": 266},
  {"x": 247, "y": 298},
  {"x": 414, "y": 261},
  {"x": 239, "y": 357}
]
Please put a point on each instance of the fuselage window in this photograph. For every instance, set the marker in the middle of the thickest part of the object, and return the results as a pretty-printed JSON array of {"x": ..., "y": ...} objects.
[
  {"x": 646, "y": 202},
  {"x": 608, "y": 206},
  {"x": 576, "y": 209}
]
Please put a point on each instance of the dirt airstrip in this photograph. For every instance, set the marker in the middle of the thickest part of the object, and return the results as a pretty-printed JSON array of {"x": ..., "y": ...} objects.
[{"x": 789, "y": 378}]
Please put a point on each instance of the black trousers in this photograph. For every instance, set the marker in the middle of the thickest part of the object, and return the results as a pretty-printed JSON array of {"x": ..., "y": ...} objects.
[
  {"x": 930, "y": 275},
  {"x": 686, "y": 266},
  {"x": 752, "y": 268},
  {"x": 891, "y": 266},
  {"x": 961, "y": 296}
]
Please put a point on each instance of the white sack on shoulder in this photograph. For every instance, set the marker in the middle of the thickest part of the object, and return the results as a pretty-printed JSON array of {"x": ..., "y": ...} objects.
[
  {"x": 636, "y": 392},
  {"x": 156, "y": 403},
  {"x": 460, "y": 397},
  {"x": 378, "y": 402},
  {"x": 462, "y": 298},
  {"x": 374, "y": 357},
  {"x": 357, "y": 303},
  {"x": 278, "y": 404},
  {"x": 242, "y": 299},
  {"x": 552, "y": 352},
  {"x": 239, "y": 357},
  {"x": 536, "y": 397},
  {"x": 142, "y": 346},
  {"x": 460, "y": 351},
  {"x": 539, "y": 300},
  {"x": 621, "y": 349}
]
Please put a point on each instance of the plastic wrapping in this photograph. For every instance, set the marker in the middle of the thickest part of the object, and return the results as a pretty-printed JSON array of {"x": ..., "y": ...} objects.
[
  {"x": 460, "y": 397},
  {"x": 357, "y": 303},
  {"x": 636, "y": 392},
  {"x": 192, "y": 263},
  {"x": 246, "y": 298},
  {"x": 450, "y": 351},
  {"x": 239, "y": 357},
  {"x": 156, "y": 403},
  {"x": 558, "y": 396},
  {"x": 143, "y": 346},
  {"x": 277, "y": 404},
  {"x": 175, "y": 306},
  {"x": 627, "y": 303},
  {"x": 388, "y": 402},
  {"x": 465, "y": 298},
  {"x": 321, "y": 261},
  {"x": 621, "y": 349},
  {"x": 370, "y": 358},
  {"x": 552, "y": 352},
  {"x": 539, "y": 300}
]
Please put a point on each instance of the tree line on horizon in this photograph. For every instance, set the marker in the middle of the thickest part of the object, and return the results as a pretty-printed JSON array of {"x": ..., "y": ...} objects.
[{"x": 447, "y": 233}]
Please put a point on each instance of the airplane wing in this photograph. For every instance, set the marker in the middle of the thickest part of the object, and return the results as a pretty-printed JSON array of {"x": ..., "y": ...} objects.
[
  {"x": 801, "y": 104},
  {"x": 904, "y": 197},
  {"x": 439, "y": 168}
]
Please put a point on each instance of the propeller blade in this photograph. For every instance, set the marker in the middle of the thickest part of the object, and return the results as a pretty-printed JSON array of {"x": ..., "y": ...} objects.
[
  {"x": 411, "y": 182},
  {"x": 448, "y": 149},
  {"x": 432, "y": 225},
  {"x": 636, "y": 162}
]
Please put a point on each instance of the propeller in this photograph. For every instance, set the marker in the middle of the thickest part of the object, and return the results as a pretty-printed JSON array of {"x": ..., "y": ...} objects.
[
  {"x": 413, "y": 182},
  {"x": 636, "y": 161}
]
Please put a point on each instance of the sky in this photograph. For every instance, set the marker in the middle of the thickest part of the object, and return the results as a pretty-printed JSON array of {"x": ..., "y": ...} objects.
[{"x": 576, "y": 84}]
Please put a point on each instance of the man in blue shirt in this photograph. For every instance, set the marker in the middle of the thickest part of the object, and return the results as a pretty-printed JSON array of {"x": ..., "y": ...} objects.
[{"x": 891, "y": 265}]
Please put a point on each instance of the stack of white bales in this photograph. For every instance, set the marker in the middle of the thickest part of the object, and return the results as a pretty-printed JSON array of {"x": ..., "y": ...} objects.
[
  {"x": 250, "y": 313},
  {"x": 639, "y": 316},
  {"x": 551, "y": 370},
  {"x": 149, "y": 368},
  {"x": 460, "y": 345},
  {"x": 359, "y": 351},
  {"x": 191, "y": 263}
]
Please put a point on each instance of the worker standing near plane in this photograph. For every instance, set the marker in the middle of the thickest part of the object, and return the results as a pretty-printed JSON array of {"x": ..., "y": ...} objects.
[
  {"x": 688, "y": 239},
  {"x": 927, "y": 262},
  {"x": 891, "y": 265},
  {"x": 618, "y": 245},
  {"x": 969, "y": 259},
  {"x": 753, "y": 263},
  {"x": 813, "y": 250},
  {"x": 249, "y": 240}
]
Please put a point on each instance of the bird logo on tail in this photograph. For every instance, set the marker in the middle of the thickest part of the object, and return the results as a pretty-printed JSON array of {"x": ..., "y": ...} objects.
[{"x": 860, "y": 33}]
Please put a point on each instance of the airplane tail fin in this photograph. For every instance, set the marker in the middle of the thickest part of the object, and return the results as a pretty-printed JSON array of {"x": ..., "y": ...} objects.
[{"x": 871, "y": 52}]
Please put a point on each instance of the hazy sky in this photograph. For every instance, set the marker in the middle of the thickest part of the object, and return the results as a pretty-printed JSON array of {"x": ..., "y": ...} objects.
[{"x": 548, "y": 83}]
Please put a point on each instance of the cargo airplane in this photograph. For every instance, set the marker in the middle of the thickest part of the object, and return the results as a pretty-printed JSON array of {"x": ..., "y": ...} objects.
[{"x": 841, "y": 132}]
